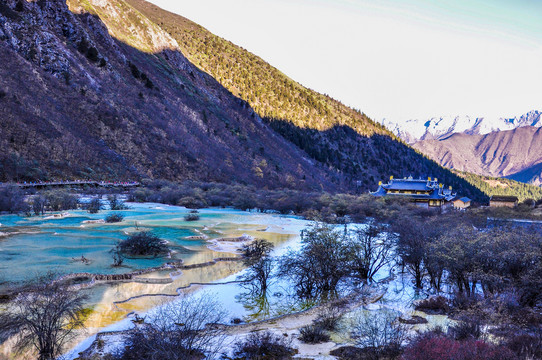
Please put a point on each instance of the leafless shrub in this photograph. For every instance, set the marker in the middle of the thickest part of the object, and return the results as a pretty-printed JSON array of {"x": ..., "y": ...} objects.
[
  {"x": 526, "y": 345},
  {"x": 469, "y": 327},
  {"x": 329, "y": 317},
  {"x": 143, "y": 244},
  {"x": 264, "y": 346},
  {"x": 44, "y": 317},
  {"x": 313, "y": 334},
  {"x": 181, "y": 329},
  {"x": 378, "y": 330}
]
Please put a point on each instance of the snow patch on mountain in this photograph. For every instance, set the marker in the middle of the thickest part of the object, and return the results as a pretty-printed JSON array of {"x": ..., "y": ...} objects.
[{"x": 439, "y": 128}]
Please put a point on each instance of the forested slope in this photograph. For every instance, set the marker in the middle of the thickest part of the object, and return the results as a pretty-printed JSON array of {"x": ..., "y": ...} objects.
[
  {"x": 108, "y": 89},
  {"x": 344, "y": 139}
]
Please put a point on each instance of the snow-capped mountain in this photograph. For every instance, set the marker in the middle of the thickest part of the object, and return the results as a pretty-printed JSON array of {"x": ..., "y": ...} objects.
[{"x": 439, "y": 128}]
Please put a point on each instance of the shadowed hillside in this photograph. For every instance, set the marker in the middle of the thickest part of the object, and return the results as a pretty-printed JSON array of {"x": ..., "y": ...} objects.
[
  {"x": 341, "y": 148},
  {"x": 342, "y": 138},
  {"x": 500, "y": 186},
  {"x": 78, "y": 103},
  {"x": 100, "y": 89},
  {"x": 270, "y": 93}
]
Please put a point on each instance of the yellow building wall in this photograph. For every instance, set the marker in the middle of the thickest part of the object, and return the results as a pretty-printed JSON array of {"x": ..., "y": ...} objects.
[{"x": 461, "y": 205}]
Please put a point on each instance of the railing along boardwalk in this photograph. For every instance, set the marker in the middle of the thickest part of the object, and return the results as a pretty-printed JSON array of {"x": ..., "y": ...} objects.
[{"x": 45, "y": 184}]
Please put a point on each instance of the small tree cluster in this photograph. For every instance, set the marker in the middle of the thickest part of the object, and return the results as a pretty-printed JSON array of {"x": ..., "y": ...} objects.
[
  {"x": 54, "y": 200},
  {"x": 91, "y": 53},
  {"x": 143, "y": 244},
  {"x": 139, "y": 75},
  {"x": 329, "y": 256},
  {"x": 114, "y": 218},
  {"x": 12, "y": 199},
  {"x": 191, "y": 217},
  {"x": 115, "y": 204},
  {"x": 94, "y": 206}
]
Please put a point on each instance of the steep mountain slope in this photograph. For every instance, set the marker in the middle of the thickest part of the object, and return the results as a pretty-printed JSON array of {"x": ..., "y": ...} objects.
[
  {"x": 77, "y": 102},
  {"x": 343, "y": 139},
  {"x": 497, "y": 154},
  {"x": 444, "y": 127},
  {"x": 270, "y": 93},
  {"x": 101, "y": 90}
]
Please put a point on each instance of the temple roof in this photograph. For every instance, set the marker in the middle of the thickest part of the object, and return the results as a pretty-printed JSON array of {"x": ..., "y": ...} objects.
[
  {"x": 410, "y": 184},
  {"x": 433, "y": 191}
]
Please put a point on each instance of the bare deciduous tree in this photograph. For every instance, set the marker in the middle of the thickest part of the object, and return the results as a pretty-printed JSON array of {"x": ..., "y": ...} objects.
[
  {"x": 38, "y": 205},
  {"x": 44, "y": 316},
  {"x": 256, "y": 250},
  {"x": 260, "y": 264},
  {"x": 371, "y": 248},
  {"x": 182, "y": 329},
  {"x": 94, "y": 206},
  {"x": 321, "y": 263}
]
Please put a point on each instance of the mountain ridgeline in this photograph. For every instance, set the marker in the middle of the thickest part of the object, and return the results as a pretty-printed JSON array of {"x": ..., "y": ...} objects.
[
  {"x": 515, "y": 154},
  {"x": 489, "y": 147},
  {"x": 122, "y": 89}
]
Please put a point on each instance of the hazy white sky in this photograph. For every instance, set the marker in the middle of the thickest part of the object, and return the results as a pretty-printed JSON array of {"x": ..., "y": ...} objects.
[{"x": 391, "y": 58}]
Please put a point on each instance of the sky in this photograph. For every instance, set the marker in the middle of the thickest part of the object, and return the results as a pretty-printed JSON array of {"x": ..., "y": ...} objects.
[{"x": 393, "y": 59}]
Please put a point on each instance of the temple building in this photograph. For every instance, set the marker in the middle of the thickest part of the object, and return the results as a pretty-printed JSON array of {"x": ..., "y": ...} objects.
[{"x": 426, "y": 193}]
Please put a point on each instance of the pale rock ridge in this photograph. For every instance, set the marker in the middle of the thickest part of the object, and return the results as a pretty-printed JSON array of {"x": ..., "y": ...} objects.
[
  {"x": 439, "y": 128},
  {"x": 127, "y": 24}
]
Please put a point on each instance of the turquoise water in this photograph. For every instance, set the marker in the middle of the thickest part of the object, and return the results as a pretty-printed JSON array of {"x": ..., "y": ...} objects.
[{"x": 37, "y": 245}]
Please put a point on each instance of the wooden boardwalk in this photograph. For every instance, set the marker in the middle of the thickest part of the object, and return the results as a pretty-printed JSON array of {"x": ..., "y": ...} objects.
[{"x": 79, "y": 183}]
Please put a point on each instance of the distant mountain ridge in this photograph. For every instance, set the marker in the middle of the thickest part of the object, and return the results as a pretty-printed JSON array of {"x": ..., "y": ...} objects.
[
  {"x": 515, "y": 154},
  {"x": 439, "y": 128},
  {"x": 492, "y": 147}
]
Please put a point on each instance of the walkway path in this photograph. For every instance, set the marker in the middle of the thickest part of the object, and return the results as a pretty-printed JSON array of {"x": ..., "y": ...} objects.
[{"x": 45, "y": 184}]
